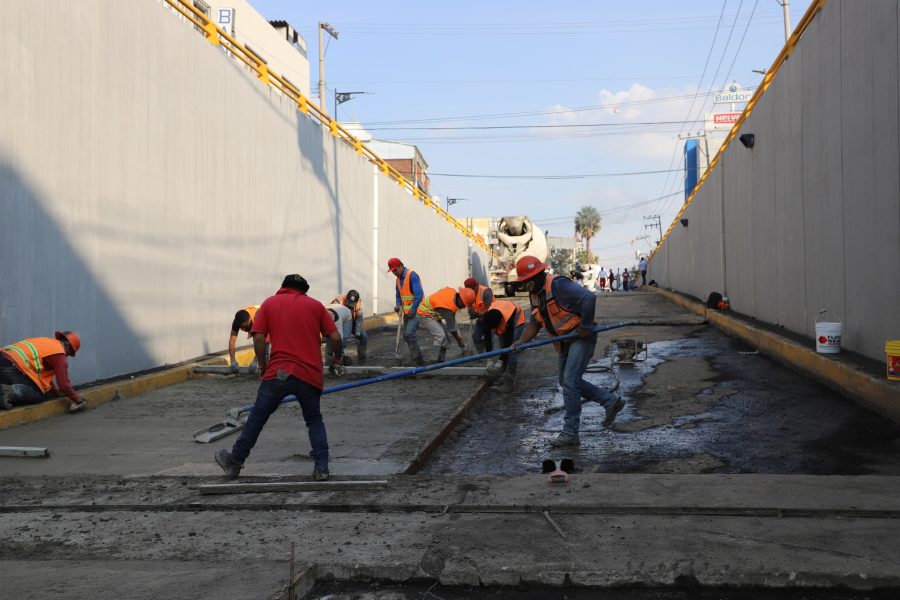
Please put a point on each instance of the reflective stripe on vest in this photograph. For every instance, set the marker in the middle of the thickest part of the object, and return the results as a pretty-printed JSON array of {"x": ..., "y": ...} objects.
[
  {"x": 550, "y": 314},
  {"x": 480, "y": 307},
  {"x": 443, "y": 298},
  {"x": 28, "y": 356},
  {"x": 507, "y": 310},
  {"x": 406, "y": 294}
]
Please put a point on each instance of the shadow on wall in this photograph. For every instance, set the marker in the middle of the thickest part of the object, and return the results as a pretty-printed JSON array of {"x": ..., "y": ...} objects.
[
  {"x": 310, "y": 136},
  {"x": 46, "y": 287},
  {"x": 478, "y": 270}
]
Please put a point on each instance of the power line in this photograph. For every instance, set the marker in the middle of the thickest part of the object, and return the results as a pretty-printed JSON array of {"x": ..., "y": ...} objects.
[
  {"x": 741, "y": 44},
  {"x": 562, "y": 126},
  {"x": 582, "y": 176}
]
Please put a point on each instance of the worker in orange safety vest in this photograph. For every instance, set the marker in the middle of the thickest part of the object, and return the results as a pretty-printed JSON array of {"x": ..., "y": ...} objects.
[
  {"x": 438, "y": 314},
  {"x": 27, "y": 370},
  {"x": 562, "y": 306},
  {"x": 507, "y": 321}
]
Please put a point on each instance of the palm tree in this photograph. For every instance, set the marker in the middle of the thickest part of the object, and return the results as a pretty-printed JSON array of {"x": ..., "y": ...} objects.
[{"x": 587, "y": 224}]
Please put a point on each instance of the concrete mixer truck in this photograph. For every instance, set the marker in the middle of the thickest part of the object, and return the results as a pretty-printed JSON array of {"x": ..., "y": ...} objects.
[{"x": 511, "y": 238}]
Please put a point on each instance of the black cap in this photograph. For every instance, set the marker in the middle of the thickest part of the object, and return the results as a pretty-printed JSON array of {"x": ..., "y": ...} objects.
[
  {"x": 352, "y": 296},
  {"x": 295, "y": 282}
]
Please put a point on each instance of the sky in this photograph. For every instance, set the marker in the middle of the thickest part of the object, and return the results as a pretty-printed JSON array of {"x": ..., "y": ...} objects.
[{"x": 541, "y": 108}]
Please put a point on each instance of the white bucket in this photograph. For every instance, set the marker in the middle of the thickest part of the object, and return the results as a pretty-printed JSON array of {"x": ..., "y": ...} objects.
[{"x": 828, "y": 336}]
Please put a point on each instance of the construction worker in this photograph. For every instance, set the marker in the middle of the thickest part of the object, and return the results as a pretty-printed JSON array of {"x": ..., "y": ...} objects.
[
  {"x": 342, "y": 317},
  {"x": 27, "y": 369},
  {"x": 438, "y": 313},
  {"x": 409, "y": 296},
  {"x": 508, "y": 321},
  {"x": 243, "y": 321},
  {"x": 352, "y": 301},
  {"x": 562, "y": 306},
  {"x": 295, "y": 323},
  {"x": 483, "y": 298}
]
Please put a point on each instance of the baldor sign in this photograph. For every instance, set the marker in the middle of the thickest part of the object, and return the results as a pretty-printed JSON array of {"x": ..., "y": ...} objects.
[{"x": 733, "y": 94}]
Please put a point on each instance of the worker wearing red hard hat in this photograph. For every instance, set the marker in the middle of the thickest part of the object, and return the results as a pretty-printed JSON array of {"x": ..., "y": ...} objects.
[
  {"x": 562, "y": 306},
  {"x": 409, "y": 295},
  {"x": 27, "y": 370},
  {"x": 438, "y": 314},
  {"x": 483, "y": 298}
]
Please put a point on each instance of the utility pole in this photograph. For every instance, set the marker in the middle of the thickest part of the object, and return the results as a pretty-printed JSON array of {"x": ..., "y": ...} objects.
[
  {"x": 785, "y": 4},
  {"x": 323, "y": 28},
  {"x": 654, "y": 223}
]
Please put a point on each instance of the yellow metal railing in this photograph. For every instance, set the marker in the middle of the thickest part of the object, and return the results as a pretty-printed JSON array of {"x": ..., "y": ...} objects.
[
  {"x": 788, "y": 49},
  {"x": 219, "y": 37}
]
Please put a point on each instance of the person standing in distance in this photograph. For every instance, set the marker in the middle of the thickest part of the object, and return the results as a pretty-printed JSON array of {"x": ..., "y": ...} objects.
[
  {"x": 409, "y": 295},
  {"x": 642, "y": 267},
  {"x": 295, "y": 324},
  {"x": 562, "y": 306}
]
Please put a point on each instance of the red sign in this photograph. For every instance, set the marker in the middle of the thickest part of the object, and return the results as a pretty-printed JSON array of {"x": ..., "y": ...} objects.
[{"x": 729, "y": 118}]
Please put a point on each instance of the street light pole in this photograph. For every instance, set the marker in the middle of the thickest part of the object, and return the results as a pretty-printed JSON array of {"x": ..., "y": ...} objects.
[
  {"x": 785, "y": 4},
  {"x": 452, "y": 201},
  {"x": 341, "y": 97},
  {"x": 323, "y": 28}
]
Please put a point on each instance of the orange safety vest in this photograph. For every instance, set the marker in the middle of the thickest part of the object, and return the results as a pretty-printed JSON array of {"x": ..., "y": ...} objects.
[
  {"x": 357, "y": 308},
  {"x": 252, "y": 310},
  {"x": 443, "y": 298},
  {"x": 28, "y": 356},
  {"x": 480, "y": 307},
  {"x": 406, "y": 293},
  {"x": 507, "y": 309},
  {"x": 550, "y": 314}
]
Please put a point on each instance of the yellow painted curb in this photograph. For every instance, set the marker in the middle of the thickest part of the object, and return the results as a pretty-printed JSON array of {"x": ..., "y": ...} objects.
[
  {"x": 876, "y": 394},
  {"x": 116, "y": 390},
  {"x": 378, "y": 321}
]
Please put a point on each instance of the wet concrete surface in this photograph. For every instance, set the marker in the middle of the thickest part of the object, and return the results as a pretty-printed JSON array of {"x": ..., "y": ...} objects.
[{"x": 701, "y": 403}]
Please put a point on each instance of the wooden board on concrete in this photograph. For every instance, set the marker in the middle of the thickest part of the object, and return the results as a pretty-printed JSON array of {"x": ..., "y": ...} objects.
[
  {"x": 289, "y": 486},
  {"x": 24, "y": 452}
]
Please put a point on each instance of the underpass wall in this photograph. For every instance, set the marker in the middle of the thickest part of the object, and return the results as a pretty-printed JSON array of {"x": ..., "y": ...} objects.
[
  {"x": 150, "y": 187},
  {"x": 809, "y": 218}
]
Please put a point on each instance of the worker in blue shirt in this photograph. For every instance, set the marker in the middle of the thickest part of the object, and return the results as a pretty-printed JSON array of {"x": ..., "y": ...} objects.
[{"x": 409, "y": 296}]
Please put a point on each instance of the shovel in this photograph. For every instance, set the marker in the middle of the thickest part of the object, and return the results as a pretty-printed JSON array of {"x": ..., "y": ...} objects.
[{"x": 235, "y": 417}]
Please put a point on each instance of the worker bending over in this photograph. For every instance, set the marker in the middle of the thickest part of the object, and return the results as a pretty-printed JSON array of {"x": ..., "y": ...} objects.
[
  {"x": 438, "y": 314},
  {"x": 342, "y": 317},
  {"x": 352, "y": 301},
  {"x": 409, "y": 296},
  {"x": 295, "y": 323},
  {"x": 27, "y": 369},
  {"x": 243, "y": 321},
  {"x": 562, "y": 306},
  {"x": 508, "y": 321},
  {"x": 483, "y": 298}
]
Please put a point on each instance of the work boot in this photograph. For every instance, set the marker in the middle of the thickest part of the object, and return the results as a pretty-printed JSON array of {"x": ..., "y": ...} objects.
[
  {"x": 231, "y": 468},
  {"x": 6, "y": 395},
  {"x": 565, "y": 439},
  {"x": 320, "y": 474},
  {"x": 415, "y": 353},
  {"x": 612, "y": 411},
  {"x": 361, "y": 357},
  {"x": 507, "y": 383},
  {"x": 442, "y": 355}
]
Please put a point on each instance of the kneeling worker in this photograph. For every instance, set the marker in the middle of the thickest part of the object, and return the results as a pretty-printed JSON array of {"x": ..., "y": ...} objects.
[
  {"x": 27, "y": 369},
  {"x": 352, "y": 301},
  {"x": 563, "y": 306},
  {"x": 508, "y": 321},
  {"x": 243, "y": 321},
  {"x": 341, "y": 316},
  {"x": 438, "y": 313}
]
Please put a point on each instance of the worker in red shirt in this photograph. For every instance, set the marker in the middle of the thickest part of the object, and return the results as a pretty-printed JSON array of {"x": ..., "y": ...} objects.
[
  {"x": 295, "y": 324},
  {"x": 27, "y": 370}
]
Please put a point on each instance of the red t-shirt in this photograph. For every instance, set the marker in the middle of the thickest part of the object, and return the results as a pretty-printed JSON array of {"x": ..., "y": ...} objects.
[{"x": 295, "y": 323}]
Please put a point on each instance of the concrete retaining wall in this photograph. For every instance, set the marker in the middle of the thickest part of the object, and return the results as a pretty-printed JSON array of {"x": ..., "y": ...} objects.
[
  {"x": 150, "y": 187},
  {"x": 809, "y": 219}
]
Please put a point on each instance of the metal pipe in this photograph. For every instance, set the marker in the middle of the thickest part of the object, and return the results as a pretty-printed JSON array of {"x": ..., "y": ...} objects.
[{"x": 449, "y": 363}]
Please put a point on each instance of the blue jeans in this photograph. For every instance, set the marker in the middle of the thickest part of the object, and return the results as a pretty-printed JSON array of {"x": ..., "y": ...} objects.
[
  {"x": 362, "y": 337},
  {"x": 269, "y": 396},
  {"x": 512, "y": 360},
  {"x": 478, "y": 333},
  {"x": 573, "y": 360},
  {"x": 24, "y": 391},
  {"x": 409, "y": 329}
]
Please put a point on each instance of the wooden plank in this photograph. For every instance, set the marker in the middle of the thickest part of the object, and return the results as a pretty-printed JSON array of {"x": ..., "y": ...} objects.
[
  {"x": 24, "y": 452},
  {"x": 289, "y": 486}
]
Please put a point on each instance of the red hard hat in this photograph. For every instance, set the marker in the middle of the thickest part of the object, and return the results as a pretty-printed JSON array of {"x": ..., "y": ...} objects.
[
  {"x": 71, "y": 337},
  {"x": 467, "y": 296},
  {"x": 527, "y": 267},
  {"x": 470, "y": 283}
]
